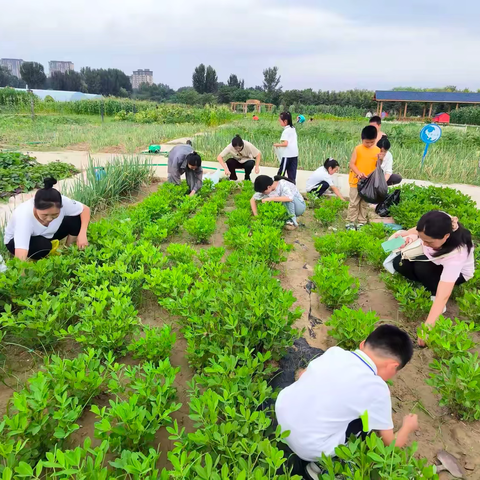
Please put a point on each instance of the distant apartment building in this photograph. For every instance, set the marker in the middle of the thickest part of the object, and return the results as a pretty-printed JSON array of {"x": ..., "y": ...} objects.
[
  {"x": 62, "y": 67},
  {"x": 13, "y": 65},
  {"x": 141, "y": 76}
]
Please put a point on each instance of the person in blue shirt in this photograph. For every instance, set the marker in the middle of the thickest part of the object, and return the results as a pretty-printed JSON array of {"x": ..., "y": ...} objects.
[{"x": 300, "y": 119}]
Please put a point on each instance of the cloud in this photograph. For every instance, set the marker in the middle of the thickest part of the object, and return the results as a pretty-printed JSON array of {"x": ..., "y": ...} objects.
[{"x": 342, "y": 45}]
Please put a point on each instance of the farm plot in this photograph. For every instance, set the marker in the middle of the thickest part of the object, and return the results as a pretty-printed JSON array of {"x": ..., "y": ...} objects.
[
  {"x": 114, "y": 323},
  {"x": 347, "y": 301}
]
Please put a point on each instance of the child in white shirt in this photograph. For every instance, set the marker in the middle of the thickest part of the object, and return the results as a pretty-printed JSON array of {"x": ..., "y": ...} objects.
[
  {"x": 322, "y": 179},
  {"x": 289, "y": 147}
]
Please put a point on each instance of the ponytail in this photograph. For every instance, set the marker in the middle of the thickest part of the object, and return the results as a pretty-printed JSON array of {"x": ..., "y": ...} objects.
[
  {"x": 47, "y": 197},
  {"x": 287, "y": 116},
  {"x": 330, "y": 163}
]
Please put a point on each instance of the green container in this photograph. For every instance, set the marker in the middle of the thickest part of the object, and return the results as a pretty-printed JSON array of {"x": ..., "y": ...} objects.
[{"x": 154, "y": 148}]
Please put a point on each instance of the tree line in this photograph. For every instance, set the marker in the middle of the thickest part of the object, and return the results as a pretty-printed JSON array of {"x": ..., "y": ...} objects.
[{"x": 204, "y": 89}]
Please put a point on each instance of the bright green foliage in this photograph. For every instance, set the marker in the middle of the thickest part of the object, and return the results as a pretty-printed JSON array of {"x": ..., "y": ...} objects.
[
  {"x": 469, "y": 304},
  {"x": 138, "y": 465},
  {"x": 155, "y": 344},
  {"x": 38, "y": 323},
  {"x": 240, "y": 217},
  {"x": 143, "y": 404},
  {"x": 84, "y": 377},
  {"x": 42, "y": 415},
  {"x": 359, "y": 460},
  {"x": 326, "y": 216},
  {"x": 417, "y": 201},
  {"x": 457, "y": 381},
  {"x": 106, "y": 316},
  {"x": 80, "y": 463},
  {"x": 22, "y": 173},
  {"x": 179, "y": 253},
  {"x": 333, "y": 282},
  {"x": 201, "y": 227},
  {"x": 448, "y": 338},
  {"x": 350, "y": 327},
  {"x": 273, "y": 214},
  {"x": 414, "y": 302}
]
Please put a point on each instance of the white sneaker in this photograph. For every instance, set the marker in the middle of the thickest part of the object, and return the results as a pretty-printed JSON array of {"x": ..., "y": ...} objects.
[
  {"x": 313, "y": 470},
  {"x": 432, "y": 298}
]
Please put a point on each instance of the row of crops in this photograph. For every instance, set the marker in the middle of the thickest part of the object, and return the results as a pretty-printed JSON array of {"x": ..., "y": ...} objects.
[
  {"x": 233, "y": 313},
  {"x": 454, "y": 373}
]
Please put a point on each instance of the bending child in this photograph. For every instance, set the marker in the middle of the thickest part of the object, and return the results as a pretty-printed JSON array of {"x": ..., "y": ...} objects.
[
  {"x": 322, "y": 179},
  {"x": 343, "y": 393},
  {"x": 279, "y": 189}
]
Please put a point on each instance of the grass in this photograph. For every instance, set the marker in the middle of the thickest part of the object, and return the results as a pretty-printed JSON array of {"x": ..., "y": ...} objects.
[
  {"x": 85, "y": 132},
  {"x": 454, "y": 159}
]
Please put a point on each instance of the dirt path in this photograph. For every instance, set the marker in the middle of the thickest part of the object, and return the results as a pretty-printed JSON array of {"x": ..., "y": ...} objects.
[{"x": 438, "y": 429}]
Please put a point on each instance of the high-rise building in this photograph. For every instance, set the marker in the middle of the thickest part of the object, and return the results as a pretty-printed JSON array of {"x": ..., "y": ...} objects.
[
  {"x": 13, "y": 65},
  {"x": 62, "y": 67},
  {"x": 141, "y": 76}
]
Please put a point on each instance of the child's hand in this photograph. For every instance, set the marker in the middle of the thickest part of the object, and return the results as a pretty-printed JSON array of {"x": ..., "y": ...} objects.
[
  {"x": 361, "y": 175},
  {"x": 410, "y": 422}
]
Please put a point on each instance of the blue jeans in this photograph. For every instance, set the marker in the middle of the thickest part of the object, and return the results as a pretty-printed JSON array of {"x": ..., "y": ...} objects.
[{"x": 295, "y": 208}]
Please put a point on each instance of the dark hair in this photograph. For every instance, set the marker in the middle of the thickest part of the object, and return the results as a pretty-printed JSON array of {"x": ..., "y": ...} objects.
[
  {"x": 194, "y": 159},
  {"x": 188, "y": 142},
  {"x": 47, "y": 197},
  {"x": 237, "y": 141},
  {"x": 330, "y": 163},
  {"x": 376, "y": 119},
  {"x": 288, "y": 117},
  {"x": 262, "y": 182},
  {"x": 369, "y": 133},
  {"x": 437, "y": 224},
  {"x": 384, "y": 143},
  {"x": 391, "y": 341}
]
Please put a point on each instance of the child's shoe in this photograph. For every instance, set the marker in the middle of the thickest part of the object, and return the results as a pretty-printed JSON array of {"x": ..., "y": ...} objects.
[{"x": 350, "y": 226}]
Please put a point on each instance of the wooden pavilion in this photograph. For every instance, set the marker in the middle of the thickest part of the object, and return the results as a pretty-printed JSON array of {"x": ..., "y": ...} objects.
[
  {"x": 257, "y": 104},
  {"x": 427, "y": 98}
]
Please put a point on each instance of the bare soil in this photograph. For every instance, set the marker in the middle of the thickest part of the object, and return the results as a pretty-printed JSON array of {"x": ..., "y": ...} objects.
[{"x": 439, "y": 430}]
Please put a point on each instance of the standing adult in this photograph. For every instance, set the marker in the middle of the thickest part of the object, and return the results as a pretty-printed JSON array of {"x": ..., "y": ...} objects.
[
  {"x": 446, "y": 258},
  {"x": 182, "y": 159},
  {"x": 38, "y": 222},
  {"x": 240, "y": 155}
]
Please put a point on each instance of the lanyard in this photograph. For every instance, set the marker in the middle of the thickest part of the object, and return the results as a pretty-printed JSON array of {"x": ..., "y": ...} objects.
[{"x": 358, "y": 356}]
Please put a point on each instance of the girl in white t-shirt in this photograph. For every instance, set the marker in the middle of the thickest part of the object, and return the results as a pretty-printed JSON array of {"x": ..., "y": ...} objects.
[
  {"x": 322, "y": 179},
  {"x": 288, "y": 147},
  {"x": 49, "y": 216}
]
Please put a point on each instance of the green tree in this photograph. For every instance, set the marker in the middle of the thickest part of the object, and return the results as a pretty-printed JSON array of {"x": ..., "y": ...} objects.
[
  {"x": 109, "y": 81},
  {"x": 234, "y": 82},
  {"x": 69, "y": 81},
  {"x": 198, "y": 78},
  {"x": 33, "y": 74},
  {"x": 271, "y": 82},
  {"x": 157, "y": 93},
  {"x": 9, "y": 80},
  {"x": 211, "y": 80}
]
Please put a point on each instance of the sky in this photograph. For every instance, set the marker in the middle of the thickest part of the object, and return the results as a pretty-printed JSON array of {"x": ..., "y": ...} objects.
[{"x": 333, "y": 45}]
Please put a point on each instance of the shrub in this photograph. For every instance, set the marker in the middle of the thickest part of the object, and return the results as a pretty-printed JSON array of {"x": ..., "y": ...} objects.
[
  {"x": 201, "y": 227},
  {"x": 447, "y": 338},
  {"x": 155, "y": 345},
  {"x": 326, "y": 216},
  {"x": 333, "y": 282},
  {"x": 469, "y": 305},
  {"x": 373, "y": 459},
  {"x": 350, "y": 327},
  {"x": 457, "y": 381}
]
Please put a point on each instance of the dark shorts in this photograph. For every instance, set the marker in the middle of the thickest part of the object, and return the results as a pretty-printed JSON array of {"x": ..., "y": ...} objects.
[{"x": 40, "y": 246}]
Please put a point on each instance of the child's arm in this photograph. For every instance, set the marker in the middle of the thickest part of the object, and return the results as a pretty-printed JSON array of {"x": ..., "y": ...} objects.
[
  {"x": 410, "y": 424},
  {"x": 283, "y": 199},
  {"x": 281, "y": 145},
  {"x": 253, "y": 204},
  {"x": 336, "y": 191},
  {"x": 353, "y": 165}
]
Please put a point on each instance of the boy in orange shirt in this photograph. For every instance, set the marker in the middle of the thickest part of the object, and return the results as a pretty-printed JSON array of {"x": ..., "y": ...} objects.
[{"x": 363, "y": 163}]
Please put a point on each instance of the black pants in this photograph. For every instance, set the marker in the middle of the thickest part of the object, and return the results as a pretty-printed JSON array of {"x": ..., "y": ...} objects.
[
  {"x": 233, "y": 164},
  {"x": 394, "y": 179},
  {"x": 40, "y": 246},
  {"x": 427, "y": 273},
  {"x": 320, "y": 189},
  {"x": 289, "y": 166},
  {"x": 298, "y": 465}
]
